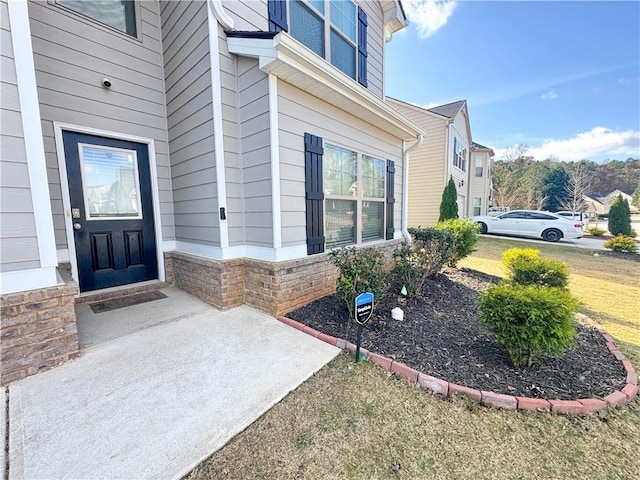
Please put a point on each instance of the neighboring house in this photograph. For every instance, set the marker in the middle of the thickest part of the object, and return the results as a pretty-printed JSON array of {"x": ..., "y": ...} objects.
[
  {"x": 480, "y": 181},
  {"x": 599, "y": 203},
  {"x": 220, "y": 146},
  {"x": 444, "y": 154}
]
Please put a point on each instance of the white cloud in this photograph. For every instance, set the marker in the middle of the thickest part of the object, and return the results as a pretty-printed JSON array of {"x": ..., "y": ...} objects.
[
  {"x": 429, "y": 15},
  {"x": 550, "y": 95},
  {"x": 597, "y": 143}
]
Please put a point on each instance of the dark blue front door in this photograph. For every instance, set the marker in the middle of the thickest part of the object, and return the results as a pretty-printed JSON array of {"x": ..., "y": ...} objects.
[{"x": 111, "y": 210}]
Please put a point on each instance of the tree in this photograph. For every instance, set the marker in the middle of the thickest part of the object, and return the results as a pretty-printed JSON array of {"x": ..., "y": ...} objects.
[
  {"x": 620, "y": 217},
  {"x": 449, "y": 203},
  {"x": 555, "y": 189},
  {"x": 577, "y": 187},
  {"x": 635, "y": 198}
]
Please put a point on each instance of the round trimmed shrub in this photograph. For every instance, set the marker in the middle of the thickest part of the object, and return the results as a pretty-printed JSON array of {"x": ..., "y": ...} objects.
[
  {"x": 622, "y": 243},
  {"x": 465, "y": 234}
]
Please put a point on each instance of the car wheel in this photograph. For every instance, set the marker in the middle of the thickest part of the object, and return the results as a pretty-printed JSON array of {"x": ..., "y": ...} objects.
[
  {"x": 483, "y": 227},
  {"x": 552, "y": 235}
]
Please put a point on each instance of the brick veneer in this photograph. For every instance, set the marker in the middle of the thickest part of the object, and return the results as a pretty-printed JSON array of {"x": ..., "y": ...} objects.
[
  {"x": 580, "y": 406},
  {"x": 273, "y": 287},
  {"x": 38, "y": 330}
]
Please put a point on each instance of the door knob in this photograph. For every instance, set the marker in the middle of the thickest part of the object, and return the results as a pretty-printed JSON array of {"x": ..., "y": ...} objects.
[{"x": 77, "y": 226}]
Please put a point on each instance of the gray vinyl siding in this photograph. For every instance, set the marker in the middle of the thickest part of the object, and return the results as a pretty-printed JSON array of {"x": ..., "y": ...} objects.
[
  {"x": 187, "y": 70},
  {"x": 72, "y": 54},
  {"x": 248, "y": 15},
  {"x": 375, "y": 47},
  {"x": 300, "y": 112},
  {"x": 427, "y": 166},
  {"x": 253, "y": 95},
  {"x": 18, "y": 240}
]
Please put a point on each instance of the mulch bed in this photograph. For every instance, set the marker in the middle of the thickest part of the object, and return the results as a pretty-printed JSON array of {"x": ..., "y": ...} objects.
[{"x": 441, "y": 336}]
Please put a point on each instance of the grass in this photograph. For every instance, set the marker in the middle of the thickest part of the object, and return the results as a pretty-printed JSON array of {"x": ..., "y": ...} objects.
[{"x": 355, "y": 421}]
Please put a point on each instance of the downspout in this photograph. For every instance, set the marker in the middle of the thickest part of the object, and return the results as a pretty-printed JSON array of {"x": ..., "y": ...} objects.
[{"x": 405, "y": 186}]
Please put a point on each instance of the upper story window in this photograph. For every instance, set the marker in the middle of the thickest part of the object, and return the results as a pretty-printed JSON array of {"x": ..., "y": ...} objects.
[
  {"x": 459, "y": 155},
  {"x": 334, "y": 29},
  {"x": 118, "y": 14},
  {"x": 479, "y": 167}
]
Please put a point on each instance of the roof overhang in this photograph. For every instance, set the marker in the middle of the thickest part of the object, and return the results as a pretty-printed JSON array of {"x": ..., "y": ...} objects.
[
  {"x": 394, "y": 17},
  {"x": 283, "y": 56}
]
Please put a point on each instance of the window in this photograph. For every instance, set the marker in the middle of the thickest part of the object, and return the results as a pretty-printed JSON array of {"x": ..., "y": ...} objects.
[
  {"x": 479, "y": 167},
  {"x": 354, "y": 193},
  {"x": 119, "y": 14},
  {"x": 459, "y": 155},
  {"x": 316, "y": 23},
  {"x": 477, "y": 206}
]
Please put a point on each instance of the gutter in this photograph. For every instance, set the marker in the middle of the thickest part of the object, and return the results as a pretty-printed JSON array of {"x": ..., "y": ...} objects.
[{"x": 405, "y": 186}]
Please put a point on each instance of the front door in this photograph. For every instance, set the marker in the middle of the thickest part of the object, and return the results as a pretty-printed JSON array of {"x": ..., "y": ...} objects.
[{"x": 111, "y": 210}]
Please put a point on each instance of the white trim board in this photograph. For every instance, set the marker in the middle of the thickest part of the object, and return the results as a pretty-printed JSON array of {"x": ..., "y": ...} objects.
[
  {"x": 266, "y": 254},
  {"x": 58, "y": 128},
  {"x": 32, "y": 279},
  {"x": 32, "y": 131}
]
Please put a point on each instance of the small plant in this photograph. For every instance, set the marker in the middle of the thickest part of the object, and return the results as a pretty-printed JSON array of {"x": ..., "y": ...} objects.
[
  {"x": 415, "y": 263},
  {"x": 465, "y": 234},
  {"x": 596, "y": 232},
  {"x": 443, "y": 239},
  {"x": 361, "y": 270},
  {"x": 525, "y": 267},
  {"x": 449, "y": 203},
  {"x": 622, "y": 243},
  {"x": 531, "y": 322}
]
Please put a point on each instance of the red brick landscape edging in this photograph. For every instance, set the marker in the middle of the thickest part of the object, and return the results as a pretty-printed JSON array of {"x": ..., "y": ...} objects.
[{"x": 580, "y": 406}]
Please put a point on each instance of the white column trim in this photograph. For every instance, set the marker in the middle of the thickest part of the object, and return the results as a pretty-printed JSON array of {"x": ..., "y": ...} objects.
[
  {"x": 218, "y": 130},
  {"x": 274, "y": 141},
  {"x": 32, "y": 131},
  {"x": 32, "y": 279}
]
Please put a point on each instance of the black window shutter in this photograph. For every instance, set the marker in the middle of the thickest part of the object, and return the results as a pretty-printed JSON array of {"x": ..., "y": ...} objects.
[
  {"x": 277, "y": 15},
  {"x": 313, "y": 152},
  {"x": 362, "y": 47},
  {"x": 391, "y": 170}
]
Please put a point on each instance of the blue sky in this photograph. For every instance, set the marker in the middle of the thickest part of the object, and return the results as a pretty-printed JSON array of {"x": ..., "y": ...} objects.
[{"x": 560, "y": 77}]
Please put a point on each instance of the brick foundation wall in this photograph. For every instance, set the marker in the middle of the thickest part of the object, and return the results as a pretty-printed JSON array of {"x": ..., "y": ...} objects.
[
  {"x": 276, "y": 288},
  {"x": 38, "y": 330}
]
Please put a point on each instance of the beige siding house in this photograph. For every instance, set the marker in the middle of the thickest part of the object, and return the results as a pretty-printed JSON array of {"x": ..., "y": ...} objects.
[
  {"x": 446, "y": 153},
  {"x": 214, "y": 145},
  {"x": 480, "y": 182}
]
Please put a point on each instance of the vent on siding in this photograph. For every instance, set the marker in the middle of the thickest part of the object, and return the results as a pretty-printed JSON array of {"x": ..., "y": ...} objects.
[
  {"x": 277, "y": 15},
  {"x": 313, "y": 152},
  {"x": 391, "y": 170},
  {"x": 362, "y": 47}
]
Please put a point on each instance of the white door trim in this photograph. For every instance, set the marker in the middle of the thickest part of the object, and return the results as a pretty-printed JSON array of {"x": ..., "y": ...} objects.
[{"x": 58, "y": 128}]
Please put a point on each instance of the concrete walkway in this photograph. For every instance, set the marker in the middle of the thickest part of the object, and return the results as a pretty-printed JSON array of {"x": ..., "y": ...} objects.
[{"x": 156, "y": 402}]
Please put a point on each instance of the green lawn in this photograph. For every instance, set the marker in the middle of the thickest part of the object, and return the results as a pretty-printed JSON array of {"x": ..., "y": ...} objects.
[{"x": 355, "y": 421}]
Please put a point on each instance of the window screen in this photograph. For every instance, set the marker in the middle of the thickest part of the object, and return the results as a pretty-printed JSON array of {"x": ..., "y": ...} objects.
[
  {"x": 119, "y": 14},
  {"x": 307, "y": 27}
]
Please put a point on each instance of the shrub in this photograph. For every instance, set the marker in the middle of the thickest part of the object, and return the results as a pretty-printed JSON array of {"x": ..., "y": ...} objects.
[
  {"x": 620, "y": 217},
  {"x": 596, "y": 232},
  {"x": 513, "y": 255},
  {"x": 465, "y": 235},
  {"x": 415, "y": 263},
  {"x": 449, "y": 203},
  {"x": 361, "y": 270},
  {"x": 443, "y": 239},
  {"x": 622, "y": 243},
  {"x": 525, "y": 267},
  {"x": 529, "y": 321}
]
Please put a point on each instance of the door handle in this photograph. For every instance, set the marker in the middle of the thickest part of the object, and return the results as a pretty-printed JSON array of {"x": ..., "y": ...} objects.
[{"x": 77, "y": 226}]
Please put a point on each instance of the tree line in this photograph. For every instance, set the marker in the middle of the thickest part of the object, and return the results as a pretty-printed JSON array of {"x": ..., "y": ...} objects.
[{"x": 520, "y": 181}]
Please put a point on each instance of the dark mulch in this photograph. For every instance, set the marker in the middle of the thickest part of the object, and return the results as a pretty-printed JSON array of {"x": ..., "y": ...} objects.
[{"x": 441, "y": 336}]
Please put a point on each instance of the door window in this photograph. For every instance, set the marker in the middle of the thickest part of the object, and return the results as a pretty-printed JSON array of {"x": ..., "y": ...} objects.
[{"x": 110, "y": 182}]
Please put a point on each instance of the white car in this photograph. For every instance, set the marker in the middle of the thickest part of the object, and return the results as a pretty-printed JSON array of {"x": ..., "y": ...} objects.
[
  {"x": 583, "y": 217},
  {"x": 531, "y": 223}
]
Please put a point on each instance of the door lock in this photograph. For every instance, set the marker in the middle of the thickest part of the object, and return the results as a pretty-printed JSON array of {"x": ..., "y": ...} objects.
[{"x": 77, "y": 226}]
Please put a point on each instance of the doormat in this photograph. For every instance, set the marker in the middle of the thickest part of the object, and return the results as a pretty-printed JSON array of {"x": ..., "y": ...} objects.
[{"x": 128, "y": 301}]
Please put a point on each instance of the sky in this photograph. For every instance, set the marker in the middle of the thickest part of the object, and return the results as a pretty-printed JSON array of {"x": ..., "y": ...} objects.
[{"x": 561, "y": 77}]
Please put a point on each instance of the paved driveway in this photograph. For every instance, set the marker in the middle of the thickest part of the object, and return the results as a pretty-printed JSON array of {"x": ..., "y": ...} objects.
[{"x": 155, "y": 403}]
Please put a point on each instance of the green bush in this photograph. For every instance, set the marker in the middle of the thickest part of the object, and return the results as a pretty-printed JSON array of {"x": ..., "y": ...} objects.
[
  {"x": 465, "y": 235},
  {"x": 443, "y": 239},
  {"x": 622, "y": 243},
  {"x": 415, "y": 263},
  {"x": 525, "y": 267},
  {"x": 531, "y": 322},
  {"x": 596, "y": 232},
  {"x": 361, "y": 270},
  {"x": 620, "y": 217},
  {"x": 513, "y": 255},
  {"x": 449, "y": 202}
]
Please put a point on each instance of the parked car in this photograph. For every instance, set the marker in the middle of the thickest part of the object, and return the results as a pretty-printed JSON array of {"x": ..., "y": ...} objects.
[
  {"x": 531, "y": 223},
  {"x": 583, "y": 217},
  {"x": 493, "y": 211}
]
